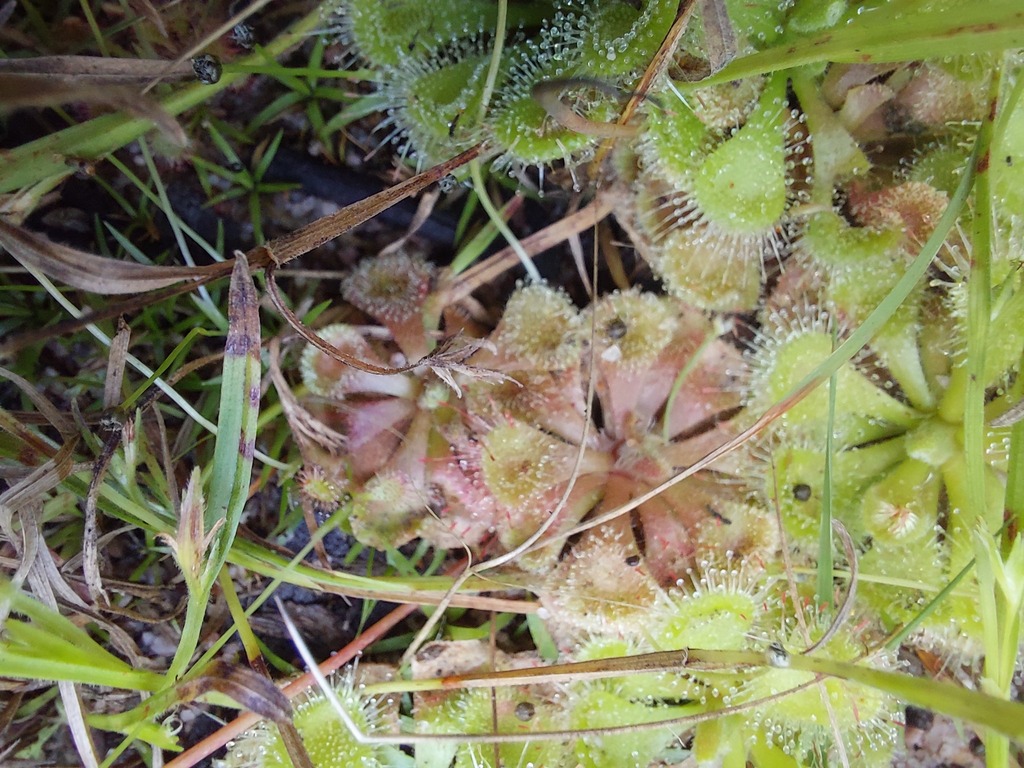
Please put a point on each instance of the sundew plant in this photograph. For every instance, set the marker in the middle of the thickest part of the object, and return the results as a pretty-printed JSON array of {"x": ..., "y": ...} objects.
[{"x": 737, "y": 497}]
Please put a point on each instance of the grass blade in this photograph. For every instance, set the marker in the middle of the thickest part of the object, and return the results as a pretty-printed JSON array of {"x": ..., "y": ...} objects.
[{"x": 975, "y": 28}]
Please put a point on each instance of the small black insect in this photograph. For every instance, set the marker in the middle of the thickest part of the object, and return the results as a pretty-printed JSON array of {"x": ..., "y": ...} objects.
[
  {"x": 448, "y": 183},
  {"x": 525, "y": 711},
  {"x": 207, "y": 68},
  {"x": 242, "y": 36},
  {"x": 454, "y": 124},
  {"x": 777, "y": 656},
  {"x": 616, "y": 328},
  {"x": 633, "y": 561},
  {"x": 801, "y": 492}
]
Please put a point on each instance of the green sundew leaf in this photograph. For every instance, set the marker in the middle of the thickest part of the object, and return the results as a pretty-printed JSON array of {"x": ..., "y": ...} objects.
[
  {"x": 836, "y": 153},
  {"x": 239, "y": 410},
  {"x": 903, "y": 287},
  {"x": 1007, "y": 717},
  {"x": 943, "y": 30}
]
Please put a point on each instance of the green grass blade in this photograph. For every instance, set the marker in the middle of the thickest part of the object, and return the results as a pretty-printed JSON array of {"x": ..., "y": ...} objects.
[
  {"x": 47, "y": 157},
  {"x": 239, "y": 410},
  {"x": 979, "y": 308},
  {"x": 36, "y": 668},
  {"x": 1005, "y": 716},
  {"x": 824, "y": 588},
  {"x": 965, "y": 29}
]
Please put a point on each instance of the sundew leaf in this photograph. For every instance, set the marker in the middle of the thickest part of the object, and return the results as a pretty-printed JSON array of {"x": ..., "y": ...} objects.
[
  {"x": 901, "y": 290},
  {"x": 845, "y": 352},
  {"x": 893, "y": 34}
]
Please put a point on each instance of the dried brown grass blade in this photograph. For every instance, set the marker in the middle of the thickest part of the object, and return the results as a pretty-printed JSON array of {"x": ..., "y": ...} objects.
[
  {"x": 317, "y": 341},
  {"x": 32, "y": 447},
  {"x": 719, "y": 36},
  {"x": 23, "y": 499},
  {"x": 90, "y": 528},
  {"x": 54, "y": 416},
  {"x": 323, "y": 230},
  {"x": 98, "y": 70},
  {"x": 447, "y": 359},
  {"x": 246, "y": 686},
  {"x": 111, "y": 397},
  {"x": 115, "y": 364},
  {"x": 38, "y": 90},
  {"x": 310, "y": 434},
  {"x": 88, "y": 272},
  {"x": 658, "y": 65},
  {"x": 146, "y": 9},
  {"x": 307, "y": 429},
  {"x": 1012, "y": 415},
  {"x": 105, "y": 276},
  {"x": 493, "y": 266},
  {"x": 10, "y": 709}
]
